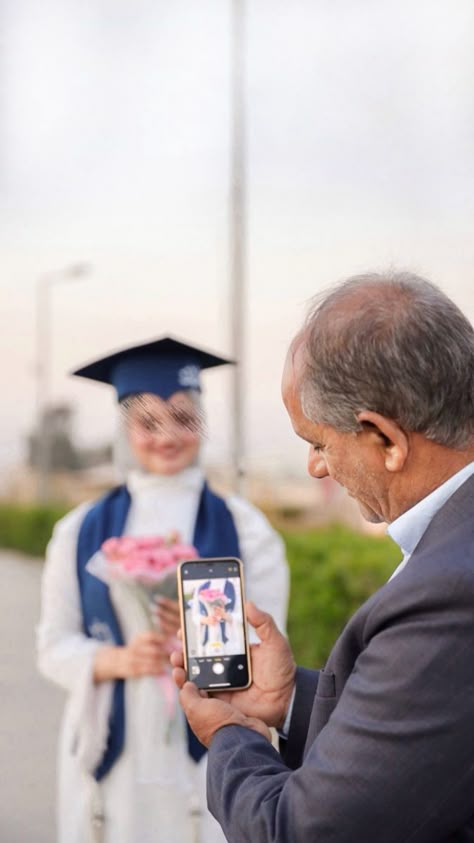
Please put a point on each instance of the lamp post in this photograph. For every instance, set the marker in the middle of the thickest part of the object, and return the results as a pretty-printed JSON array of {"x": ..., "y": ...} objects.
[
  {"x": 237, "y": 237},
  {"x": 74, "y": 272}
]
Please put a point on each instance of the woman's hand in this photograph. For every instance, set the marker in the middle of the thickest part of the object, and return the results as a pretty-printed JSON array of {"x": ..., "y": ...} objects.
[
  {"x": 166, "y": 614},
  {"x": 222, "y": 615},
  {"x": 145, "y": 655},
  {"x": 208, "y": 620}
]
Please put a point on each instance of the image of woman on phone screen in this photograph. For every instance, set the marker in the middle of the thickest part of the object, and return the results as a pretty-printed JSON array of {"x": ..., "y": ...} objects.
[{"x": 217, "y": 615}]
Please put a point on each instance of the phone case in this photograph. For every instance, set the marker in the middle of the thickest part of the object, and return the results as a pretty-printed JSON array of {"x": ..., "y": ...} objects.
[{"x": 215, "y": 657}]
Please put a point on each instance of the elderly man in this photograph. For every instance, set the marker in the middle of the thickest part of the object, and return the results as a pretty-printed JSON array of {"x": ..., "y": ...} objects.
[{"x": 378, "y": 747}]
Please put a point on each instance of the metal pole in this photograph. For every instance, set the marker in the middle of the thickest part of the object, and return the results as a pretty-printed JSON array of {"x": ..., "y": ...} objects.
[
  {"x": 43, "y": 355},
  {"x": 237, "y": 238},
  {"x": 42, "y": 387}
]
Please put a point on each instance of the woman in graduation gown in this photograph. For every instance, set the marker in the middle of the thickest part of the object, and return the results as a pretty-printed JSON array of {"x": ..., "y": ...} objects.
[{"x": 128, "y": 771}]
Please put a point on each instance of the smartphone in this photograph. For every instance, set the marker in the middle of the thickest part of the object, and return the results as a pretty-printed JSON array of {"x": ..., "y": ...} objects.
[{"x": 215, "y": 641}]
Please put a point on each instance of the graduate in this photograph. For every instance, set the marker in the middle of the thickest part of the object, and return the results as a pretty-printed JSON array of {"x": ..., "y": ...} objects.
[{"x": 128, "y": 771}]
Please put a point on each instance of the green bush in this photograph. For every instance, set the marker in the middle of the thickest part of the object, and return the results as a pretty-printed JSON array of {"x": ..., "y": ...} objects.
[
  {"x": 333, "y": 570},
  {"x": 27, "y": 528}
]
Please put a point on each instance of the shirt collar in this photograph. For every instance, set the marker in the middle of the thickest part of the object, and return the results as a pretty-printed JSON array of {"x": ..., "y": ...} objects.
[{"x": 408, "y": 528}]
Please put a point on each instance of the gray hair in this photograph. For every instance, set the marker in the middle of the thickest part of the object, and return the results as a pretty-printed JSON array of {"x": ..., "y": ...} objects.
[{"x": 395, "y": 344}]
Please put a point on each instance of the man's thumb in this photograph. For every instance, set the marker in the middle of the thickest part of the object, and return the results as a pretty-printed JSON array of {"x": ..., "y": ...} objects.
[{"x": 262, "y": 622}]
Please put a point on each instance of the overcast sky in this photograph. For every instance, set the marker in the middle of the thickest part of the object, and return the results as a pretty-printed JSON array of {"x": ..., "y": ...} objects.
[{"x": 115, "y": 151}]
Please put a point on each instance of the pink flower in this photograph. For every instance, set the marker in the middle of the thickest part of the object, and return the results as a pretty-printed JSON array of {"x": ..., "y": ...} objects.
[
  {"x": 145, "y": 558},
  {"x": 162, "y": 559},
  {"x": 214, "y": 598},
  {"x": 111, "y": 548},
  {"x": 184, "y": 552},
  {"x": 212, "y": 594},
  {"x": 150, "y": 542}
]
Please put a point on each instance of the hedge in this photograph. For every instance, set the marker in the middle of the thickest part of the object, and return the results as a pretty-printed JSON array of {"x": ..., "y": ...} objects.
[
  {"x": 28, "y": 528},
  {"x": 333, "y": 570}
]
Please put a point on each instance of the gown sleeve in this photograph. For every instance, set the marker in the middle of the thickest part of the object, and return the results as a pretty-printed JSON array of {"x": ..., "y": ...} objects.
[
  {"x": 65, "y": 654},
  {"x": 263, "y": 554}
]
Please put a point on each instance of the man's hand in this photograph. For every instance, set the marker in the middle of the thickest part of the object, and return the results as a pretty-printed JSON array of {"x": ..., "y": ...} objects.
[
  {"x": 273, "y": 674},
  {"x": 206, "y": 714}
]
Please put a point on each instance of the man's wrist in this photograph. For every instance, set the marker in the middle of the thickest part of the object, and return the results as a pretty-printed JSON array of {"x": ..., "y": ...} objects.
[
  {"x": 252, "y": 723},
  {"x": 284, "y": 730}
]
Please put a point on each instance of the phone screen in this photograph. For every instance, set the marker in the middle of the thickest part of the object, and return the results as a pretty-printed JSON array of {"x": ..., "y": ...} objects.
[{"x": 214, "y": 629}]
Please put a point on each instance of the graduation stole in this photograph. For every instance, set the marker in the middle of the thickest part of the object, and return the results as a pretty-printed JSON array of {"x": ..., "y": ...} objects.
[{"x": 215, "y": 534}]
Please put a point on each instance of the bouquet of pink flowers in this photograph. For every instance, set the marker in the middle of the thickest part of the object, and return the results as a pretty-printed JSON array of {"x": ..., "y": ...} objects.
[
  {"x": 138, "y": 571},
  {"x": 149, "y": 561},
  {"x": 213, "y": 598}
]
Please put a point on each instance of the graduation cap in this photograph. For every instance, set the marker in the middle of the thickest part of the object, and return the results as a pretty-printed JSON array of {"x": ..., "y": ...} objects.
[{"x": 162, "y": 367}]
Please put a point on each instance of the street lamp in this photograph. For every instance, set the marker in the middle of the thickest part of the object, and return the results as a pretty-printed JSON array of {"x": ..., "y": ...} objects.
[{"x": 74, "y": 272}]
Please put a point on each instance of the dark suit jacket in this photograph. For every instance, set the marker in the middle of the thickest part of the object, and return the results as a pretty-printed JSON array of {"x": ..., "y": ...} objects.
[{"x": 381, "y": 742}]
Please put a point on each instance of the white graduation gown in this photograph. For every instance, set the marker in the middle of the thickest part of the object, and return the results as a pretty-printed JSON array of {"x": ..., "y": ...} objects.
[{"x": 147, "y": 797}]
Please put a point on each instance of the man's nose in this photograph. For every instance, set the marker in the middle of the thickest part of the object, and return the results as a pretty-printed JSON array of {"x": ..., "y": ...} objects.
[{"x": 317, "y": 465}]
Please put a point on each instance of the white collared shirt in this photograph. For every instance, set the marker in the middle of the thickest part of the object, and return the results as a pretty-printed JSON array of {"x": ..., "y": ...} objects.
[{"x": 408, "y": 528}]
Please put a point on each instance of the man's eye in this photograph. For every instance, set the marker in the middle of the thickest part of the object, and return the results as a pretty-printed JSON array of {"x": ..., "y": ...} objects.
[{"x": 317, "y": 448}]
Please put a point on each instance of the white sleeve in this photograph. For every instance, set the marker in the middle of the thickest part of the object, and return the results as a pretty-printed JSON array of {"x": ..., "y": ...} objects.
[
  {"x": 65, "y": 654},
  {"x": 263, "y": 554}
]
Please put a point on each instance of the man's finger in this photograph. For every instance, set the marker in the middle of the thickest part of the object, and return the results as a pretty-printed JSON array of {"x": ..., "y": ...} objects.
[
  {"x": 189, "y": 695},
  {"x": 177, "y": 658},
  {"x": 262, "y": 622},
  {"x": 179, "y": 676}
]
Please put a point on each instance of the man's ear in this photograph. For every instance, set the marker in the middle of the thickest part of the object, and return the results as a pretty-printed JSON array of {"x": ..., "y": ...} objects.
[{"x": 395, "y": 440}]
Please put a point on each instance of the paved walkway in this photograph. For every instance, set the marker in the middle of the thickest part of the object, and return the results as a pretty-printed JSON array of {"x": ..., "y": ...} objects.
[{"x": 30, "y": 710}]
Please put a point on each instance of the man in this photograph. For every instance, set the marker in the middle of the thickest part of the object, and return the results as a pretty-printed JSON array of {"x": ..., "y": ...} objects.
[{"x": 380, "y": 744}]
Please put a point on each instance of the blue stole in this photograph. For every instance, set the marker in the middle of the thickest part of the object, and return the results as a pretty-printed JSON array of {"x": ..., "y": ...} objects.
[{"x": 214, "y": 535}]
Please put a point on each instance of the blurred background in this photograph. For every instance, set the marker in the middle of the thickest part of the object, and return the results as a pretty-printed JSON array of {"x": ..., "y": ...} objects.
[
  {"x": 117, "y": 189},
  {"x": 203, "y": 169}
]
